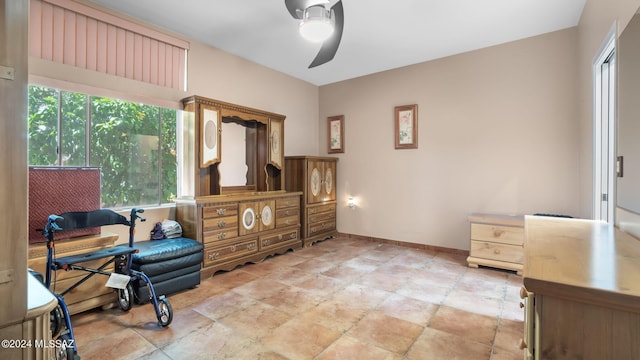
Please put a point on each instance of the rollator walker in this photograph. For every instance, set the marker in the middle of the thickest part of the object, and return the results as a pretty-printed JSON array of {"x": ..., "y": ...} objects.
[{"x": 121, "y": 279}]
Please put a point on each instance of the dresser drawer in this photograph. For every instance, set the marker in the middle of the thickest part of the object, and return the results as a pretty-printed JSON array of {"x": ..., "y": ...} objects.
[
  {"x": 220, "y": 223},
  {"x": 231, "y": 250},
  {"x": 321, "y": 227},
  {"x": 277, "y": 239},
  {"x": 321, "y": 217},
  {"x": 497, "y": 251},
  {"x": 321, "y": 209},
  {"x": 217, "y": 211},
  {"x": 287, "y": 221},
  {"x": 287, "y": 212},
  {"x": 287, "y": 202},
  {"x": 498, "y": 233},
  {"x": 220, "y": 235}
]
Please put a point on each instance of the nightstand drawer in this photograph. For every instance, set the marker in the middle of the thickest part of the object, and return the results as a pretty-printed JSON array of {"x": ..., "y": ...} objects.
[
  {"x": 498, "y": 234},
  {"x": 497, "y": 251}
]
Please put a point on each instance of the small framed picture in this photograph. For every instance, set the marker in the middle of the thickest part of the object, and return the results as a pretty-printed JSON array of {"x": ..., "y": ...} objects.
[
  {"x": 406, "y": 126},
  {"x": 335, "y": 131}
]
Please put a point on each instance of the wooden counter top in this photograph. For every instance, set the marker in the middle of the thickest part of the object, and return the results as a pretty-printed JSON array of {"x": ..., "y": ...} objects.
[
  {"x": 582, "y": 260},
  {"x": 240, "y": 196}
]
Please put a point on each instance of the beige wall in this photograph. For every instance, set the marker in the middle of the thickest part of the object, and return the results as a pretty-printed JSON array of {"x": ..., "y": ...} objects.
[
  {"x": 506, "y": 129},
  {"x": 497, "y": 134},
  {"x": 220, "y": 75}
]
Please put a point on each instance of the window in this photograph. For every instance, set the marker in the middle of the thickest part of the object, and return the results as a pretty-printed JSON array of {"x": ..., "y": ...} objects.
[{"x": 133, "y": 144}]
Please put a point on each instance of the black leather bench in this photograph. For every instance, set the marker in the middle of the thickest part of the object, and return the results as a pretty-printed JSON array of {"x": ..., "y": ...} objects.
[{"x": 172, "y": 265}]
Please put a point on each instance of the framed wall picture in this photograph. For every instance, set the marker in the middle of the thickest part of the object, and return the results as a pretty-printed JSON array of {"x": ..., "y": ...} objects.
[
  {"x": 406, "y": 126},
  {"x": 335, "y": 134}
]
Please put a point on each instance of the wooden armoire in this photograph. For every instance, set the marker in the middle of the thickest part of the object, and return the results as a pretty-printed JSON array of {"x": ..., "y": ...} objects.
[
  {"x": 232, "y": 195},
  {"x": 315, "y": 176}
]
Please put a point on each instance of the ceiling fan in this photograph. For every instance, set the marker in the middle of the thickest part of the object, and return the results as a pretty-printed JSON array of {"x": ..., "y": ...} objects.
[{"x": 309, "y": 11}]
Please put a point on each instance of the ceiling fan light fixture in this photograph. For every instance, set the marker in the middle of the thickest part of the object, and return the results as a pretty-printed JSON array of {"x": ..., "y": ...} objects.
[{"x": 316, "y": 25}]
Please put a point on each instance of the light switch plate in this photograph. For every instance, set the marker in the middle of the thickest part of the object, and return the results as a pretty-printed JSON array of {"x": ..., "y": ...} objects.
[{"x": 7, "y": 73}]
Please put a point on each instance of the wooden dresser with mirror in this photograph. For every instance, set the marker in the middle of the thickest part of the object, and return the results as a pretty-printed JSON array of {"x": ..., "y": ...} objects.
[{"x": 232, "y": 193}]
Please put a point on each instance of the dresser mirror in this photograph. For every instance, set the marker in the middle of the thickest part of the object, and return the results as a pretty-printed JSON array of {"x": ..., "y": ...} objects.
[
  {"x": 239, "y": 139},
  {"x": 628, "y": 116},
  {"x": 244, "y": 144},
  {"x": 232, "y": 149}
]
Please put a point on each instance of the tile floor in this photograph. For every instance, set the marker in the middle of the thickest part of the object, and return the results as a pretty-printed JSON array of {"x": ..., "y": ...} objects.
[{"x": 340, "y": 299}]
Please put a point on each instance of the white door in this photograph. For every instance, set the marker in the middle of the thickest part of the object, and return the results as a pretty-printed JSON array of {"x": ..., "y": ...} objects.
[{"x": 604, "y": 133}]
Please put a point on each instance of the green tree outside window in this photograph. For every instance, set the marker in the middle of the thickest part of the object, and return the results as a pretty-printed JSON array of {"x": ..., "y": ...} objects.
[{"x": 133, "y": 144}]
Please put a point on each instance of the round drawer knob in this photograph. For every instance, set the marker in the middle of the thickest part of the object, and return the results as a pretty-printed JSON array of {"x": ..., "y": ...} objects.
[
  {"x": 523, "y": 293},
  {"x": 523, "y": 344},
  {"x": 496, "y": 251}
]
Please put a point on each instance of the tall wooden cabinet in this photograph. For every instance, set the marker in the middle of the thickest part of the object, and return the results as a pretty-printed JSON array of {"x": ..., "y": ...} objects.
[
  {"x": 231, "y": 193},
  {"x": 316, "y": 177}
]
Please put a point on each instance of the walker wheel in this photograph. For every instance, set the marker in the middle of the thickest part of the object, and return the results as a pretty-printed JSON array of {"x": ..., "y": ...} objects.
[
  {"x": 125, "y": 297},
  {"x": 56, "y": 321},
  {"x": 65, "y": 351},
  {"x": 166, "y": 312}
]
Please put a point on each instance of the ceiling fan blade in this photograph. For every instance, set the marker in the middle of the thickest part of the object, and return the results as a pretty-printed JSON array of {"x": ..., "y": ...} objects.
[
  {"x": 330, "y": 46},
  {"x": 296, "y": 7}
]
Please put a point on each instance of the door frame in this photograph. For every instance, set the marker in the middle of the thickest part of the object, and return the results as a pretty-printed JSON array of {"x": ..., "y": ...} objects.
[{"x": 606, "y": 51}]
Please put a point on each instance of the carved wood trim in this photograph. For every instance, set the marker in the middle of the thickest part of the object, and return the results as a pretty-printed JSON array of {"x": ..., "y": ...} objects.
[{"x": 234, "y": 109}]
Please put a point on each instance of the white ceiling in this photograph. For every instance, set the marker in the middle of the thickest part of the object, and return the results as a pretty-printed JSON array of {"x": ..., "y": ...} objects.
[{"x": 378, "y": 35}]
